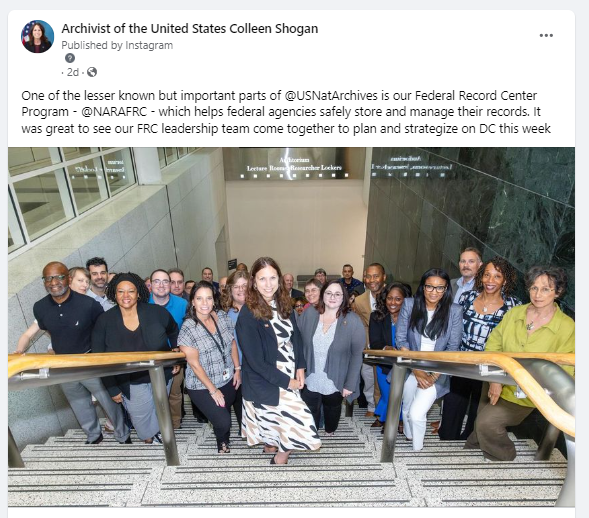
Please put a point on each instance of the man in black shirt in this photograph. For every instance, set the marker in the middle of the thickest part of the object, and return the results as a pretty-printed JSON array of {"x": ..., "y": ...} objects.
[{"x": 69, "y": 317}]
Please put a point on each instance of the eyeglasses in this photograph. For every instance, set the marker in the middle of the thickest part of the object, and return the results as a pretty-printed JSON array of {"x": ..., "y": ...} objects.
[
  {"x": 543, "y": 291},
  {"x": 49, "y": 278},
  {"x": 439, "y": 289},
  {"x": 157, "y": 282},
  {"x": 299, "y": 306},
  {"x": 177, "y": 283},
  {"x": 331, "y": 295},
  {"x": 239, "y": 287}
]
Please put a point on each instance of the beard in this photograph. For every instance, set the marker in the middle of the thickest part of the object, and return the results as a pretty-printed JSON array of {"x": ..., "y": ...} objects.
[{"x": 57, "y": 293}]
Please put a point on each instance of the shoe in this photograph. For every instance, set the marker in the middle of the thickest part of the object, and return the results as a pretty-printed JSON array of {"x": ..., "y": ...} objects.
[
  {"x": 435, "y": 427},
  {"x": 96, "y": 441},
  {"x": 377, "y": 424},
  {"x": 224, "y": 448},
  {"x": 329, "y": 434},
  {"x": 108, "y": 427},
  {"x": 369, "y": 414},
  {"x": 273, "y": 461},
  {"x": 128, "y": 441},
  {"x": 157, "y": 439}
]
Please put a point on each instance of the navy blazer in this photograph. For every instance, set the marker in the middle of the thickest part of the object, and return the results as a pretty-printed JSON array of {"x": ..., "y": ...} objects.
[
  {"x": 448, "y": 341},
  {"x": 260, "y": 377}
]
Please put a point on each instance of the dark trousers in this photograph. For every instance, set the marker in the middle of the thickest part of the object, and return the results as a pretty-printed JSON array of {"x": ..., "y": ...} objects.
[
  {"x": 219, "y": 416},
  {"x": 332, "y": 408},
  {"x": 463, "y": 397},
  {"x": 238, "y": 407},
  {"x": 490, "y": 430}
]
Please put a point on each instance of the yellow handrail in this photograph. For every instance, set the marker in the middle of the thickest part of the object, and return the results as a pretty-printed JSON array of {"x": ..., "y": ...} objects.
[
  {"x": 508, "y": 362},
  {"x": 24, "y": 362}
]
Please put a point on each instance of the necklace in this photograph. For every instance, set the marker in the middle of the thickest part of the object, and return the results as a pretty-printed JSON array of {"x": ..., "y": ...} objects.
[
  {"x": 486, "y": 305},
  {"x": 532, "y": 325}
]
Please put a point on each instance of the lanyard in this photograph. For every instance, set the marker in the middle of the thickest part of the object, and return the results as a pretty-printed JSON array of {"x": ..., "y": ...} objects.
[{"x": 213, "y": 337}]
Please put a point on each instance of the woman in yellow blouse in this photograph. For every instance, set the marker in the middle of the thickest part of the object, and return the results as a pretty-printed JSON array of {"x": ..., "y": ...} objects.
[{"x": 540, "y": 326}]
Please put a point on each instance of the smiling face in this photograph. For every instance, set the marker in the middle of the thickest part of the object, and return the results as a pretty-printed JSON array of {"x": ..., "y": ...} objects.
[
  {"x": 493, "y": 280},
  {"x": 332, "y": 297},
  {"x": 37, "y": 32},
  {"x": 312, "y": 293},
  {"x": 126, "y": 295},
  {"x": 80, "y": 283},
  {"x": 299, "y": 307},
  {"x": 394, "y": 301},
  {"x": 160, "y": 284},
  {"x": 98, "y": 276},
  {"x": 203, "y": 302},
  {"x": 375, "y": 279},
  {"x": 238, "y": 291},
  {"x": 207, "y": 275},
  {"x": 53, "y": 285},
  {"x": 432, "y": 298},
  {"x": 266, "y": 282}
]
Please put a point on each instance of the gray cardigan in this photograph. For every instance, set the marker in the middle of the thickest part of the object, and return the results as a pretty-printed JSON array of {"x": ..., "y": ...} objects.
[
  {"x": 344, "y": 357},
  {"x": 448, "y": 341}
]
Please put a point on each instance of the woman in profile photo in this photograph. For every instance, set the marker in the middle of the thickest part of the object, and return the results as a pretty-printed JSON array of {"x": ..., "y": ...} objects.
[{"x": 37, "y": 42}]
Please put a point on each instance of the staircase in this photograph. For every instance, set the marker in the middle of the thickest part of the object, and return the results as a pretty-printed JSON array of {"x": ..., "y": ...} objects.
[{"x": 66, "y": 472}]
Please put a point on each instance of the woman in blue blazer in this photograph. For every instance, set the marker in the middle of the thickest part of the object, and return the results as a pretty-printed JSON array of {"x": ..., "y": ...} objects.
[{"x": 428, "y": 322}]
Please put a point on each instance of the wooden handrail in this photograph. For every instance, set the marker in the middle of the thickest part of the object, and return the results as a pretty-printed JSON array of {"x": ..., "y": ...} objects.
[
  {"x": 508, "y": 362},
  {"x": 24, "y": 362}
]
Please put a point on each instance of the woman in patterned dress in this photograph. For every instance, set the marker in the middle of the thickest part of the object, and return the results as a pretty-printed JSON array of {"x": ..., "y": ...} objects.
[
  {"x": 483, "y": 309},
  {"x": 273, "y": 368}
]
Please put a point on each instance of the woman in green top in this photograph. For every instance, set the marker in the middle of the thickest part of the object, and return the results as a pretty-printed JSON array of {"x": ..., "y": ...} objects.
[{"x": 539, "y": 327}]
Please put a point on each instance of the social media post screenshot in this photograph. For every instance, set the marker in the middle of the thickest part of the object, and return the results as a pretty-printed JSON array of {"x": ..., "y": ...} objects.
[{"x": 245, "y": 239}]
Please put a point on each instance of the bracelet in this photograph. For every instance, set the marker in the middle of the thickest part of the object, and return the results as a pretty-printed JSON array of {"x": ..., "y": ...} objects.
[
  {"x": 238, "y": 368},
  {"x": 214, "y": 392}
]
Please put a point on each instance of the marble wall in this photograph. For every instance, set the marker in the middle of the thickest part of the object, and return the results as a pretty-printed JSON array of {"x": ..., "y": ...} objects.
[
  {"x": 427, "y": 204},
  {"x": 173, "y": 223}
]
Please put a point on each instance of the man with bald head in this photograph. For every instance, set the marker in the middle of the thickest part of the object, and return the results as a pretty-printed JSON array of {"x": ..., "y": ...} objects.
[
  {"x": 288, "y": 279},
  {"x": 69, "y": 317}
]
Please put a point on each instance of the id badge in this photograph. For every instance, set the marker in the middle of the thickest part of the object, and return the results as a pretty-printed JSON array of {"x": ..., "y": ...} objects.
[
  {"x": 519, "y": 393},
  {"x": 226, "y": 375}
]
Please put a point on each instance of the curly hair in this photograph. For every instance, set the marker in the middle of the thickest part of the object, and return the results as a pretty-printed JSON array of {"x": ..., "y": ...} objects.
[
  {"x": 227, "y": 295},
  {"x": 381, "y": 310},
  {"x": 504, "y": 266},
  {"x": 256, "y": 303},
  {"x": 142, "y": 291}
]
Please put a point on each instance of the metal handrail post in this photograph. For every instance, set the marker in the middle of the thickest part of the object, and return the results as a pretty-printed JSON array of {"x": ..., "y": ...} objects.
[
  {"x": 14, "y": 458},
  {"x": 393, "y": 411},
  {"x": 164, "y": 417},
  {"x": 547, "y": 443},
  {"x": 566, "y": 497}
]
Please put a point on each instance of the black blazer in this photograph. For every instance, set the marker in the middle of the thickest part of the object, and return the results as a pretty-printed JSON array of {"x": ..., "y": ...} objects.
[
  {"x": 30, "y": 46},
  {"x": 158, "y": 330},
  {"x": 379, "y": 335},
  {"x": 295, "y": 294},
  {"x": 260, "y": 377}
]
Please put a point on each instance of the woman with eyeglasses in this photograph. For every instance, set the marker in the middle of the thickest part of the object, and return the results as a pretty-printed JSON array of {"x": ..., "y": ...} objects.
[
  {"x": 312, "y": 291},
  {"x": 539, "y": 327},
  {"x": 232, "y": 300},
  {"x": 333, "y": 341},
  {"x": 428, "y": 322},
  {"x": 483, "y": 309}
]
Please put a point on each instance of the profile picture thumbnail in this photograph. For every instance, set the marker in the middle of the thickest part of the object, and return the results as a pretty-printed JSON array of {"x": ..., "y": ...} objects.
[{"x": 37, "y": 36}]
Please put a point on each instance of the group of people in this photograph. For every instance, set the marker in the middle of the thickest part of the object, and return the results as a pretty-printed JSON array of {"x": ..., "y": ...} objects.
[{"x": 284, "y": 360}]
